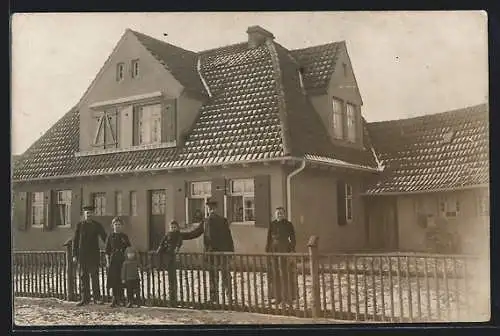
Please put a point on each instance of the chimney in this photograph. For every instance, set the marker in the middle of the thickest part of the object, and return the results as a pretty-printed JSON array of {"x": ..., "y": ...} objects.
[{"x": 258, "y": 35}]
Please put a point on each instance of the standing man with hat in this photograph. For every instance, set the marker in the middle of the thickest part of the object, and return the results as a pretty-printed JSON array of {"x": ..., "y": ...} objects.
[
  {"x": 86, "y": 252},
  {"x": 216, "y": 238}
]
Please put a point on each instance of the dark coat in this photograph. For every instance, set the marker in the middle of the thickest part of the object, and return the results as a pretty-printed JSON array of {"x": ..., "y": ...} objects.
[
  {"x": 217, "y": 235},
  {"x": 115, "y": 249},
  {"x": 86, "y": 243},
  {"x": 280, "y": 237},
  {"x": 170, "y": 242}
]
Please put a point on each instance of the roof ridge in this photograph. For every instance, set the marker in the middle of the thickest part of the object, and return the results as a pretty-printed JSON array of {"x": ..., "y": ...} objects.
[
  {"x": 218, "y": 48},
  {"x": 467, "y": 109},
  {"x": 317, "y": 46},
  {"x": 160, "y": 41}
]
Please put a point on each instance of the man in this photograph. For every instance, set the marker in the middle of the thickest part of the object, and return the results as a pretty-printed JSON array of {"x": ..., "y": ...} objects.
[
  {"x": 86, "y": 253},
  {"x": 281, "y": 239},
  {"x": 216, "y": 238}
]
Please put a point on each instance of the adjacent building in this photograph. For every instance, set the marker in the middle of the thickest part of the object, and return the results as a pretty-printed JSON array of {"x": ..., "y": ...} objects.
[
  {"x": 435, "y": 180},
  {"x": 253, "y": 125}
]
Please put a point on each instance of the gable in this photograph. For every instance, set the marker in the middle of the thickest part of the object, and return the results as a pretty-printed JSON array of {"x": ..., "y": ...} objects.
[{"x": 343, "y": 82}]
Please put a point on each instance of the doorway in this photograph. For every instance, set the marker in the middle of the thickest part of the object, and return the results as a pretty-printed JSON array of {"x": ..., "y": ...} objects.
[{"x": 157, "y": 209}]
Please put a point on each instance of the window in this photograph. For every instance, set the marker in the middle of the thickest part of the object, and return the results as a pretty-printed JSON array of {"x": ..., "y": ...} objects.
[
  {"x": 99, "y": 201},
  {"x": 149, "y": 124},
  {"x": 337, "y": 119},
  {"x": 242, "y": 200},
  {"x": 449, "y": 207},
  {"x": 63, "y": 208},
  {"x": 351, "y": 123},
  {"x": 344, "y": 66},
  {"x": 199, "y": 192},
  {"x": 348, "y": 202},
  {"x": 133, "y": 203},
  {"x": 38, "y": 208},
  {"x": 119, "y": 203},
  {"x": 158, "y": 202},
  {"x": 135, "y": 68},
  {"x": 120, "y": 71}
]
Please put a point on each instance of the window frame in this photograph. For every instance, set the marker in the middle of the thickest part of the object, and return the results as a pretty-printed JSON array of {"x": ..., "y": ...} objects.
[
  {"x": 349, "y": 200},
  {"x": 67, "y": 203},
  {"x": 445, "y": 203},
  {"x": 133, "y": 203},
  {"x": 139, "y": 112},
  {"x": 120, "y": 71},
  {"x": 204, "y": 196},
  {"x": 244, "y": 194},
  {"x": 104, "y": 126},
  {"x": 36, "y": 203},
  {"x": 119, "y": 203},
  {"x": 483, "y": 204},
  {"x": 337, "y": 119},
  {"x": 134, "y": 68},
  {"x": 351, "y": 128},
  {"x": 103, "y": 204}
]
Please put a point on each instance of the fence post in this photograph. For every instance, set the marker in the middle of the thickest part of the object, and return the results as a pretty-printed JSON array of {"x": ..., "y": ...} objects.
[
  {"x": 314, "y": 266},
  {"x": 70, "y": 271}
]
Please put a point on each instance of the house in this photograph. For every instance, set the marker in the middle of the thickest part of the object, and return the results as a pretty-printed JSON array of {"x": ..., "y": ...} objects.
[
  {"x": 436, "y": 178},
  {"x": 160, "y": 129}
]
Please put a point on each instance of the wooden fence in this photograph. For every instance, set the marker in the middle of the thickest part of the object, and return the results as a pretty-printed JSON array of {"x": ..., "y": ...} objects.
[{"x": 371, "y": 287}]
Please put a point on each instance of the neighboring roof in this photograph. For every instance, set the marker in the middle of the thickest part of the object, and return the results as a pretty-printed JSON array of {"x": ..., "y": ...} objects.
[
  {"x": 318, "y": 64},
  {"x": 180, "y": 62},
  {"x": 255, "y": 98},
  {"x": 418, "y": 157}
]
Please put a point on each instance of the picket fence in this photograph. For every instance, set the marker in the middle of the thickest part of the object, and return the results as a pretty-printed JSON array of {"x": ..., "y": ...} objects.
[{"x": 391, "y": 287}]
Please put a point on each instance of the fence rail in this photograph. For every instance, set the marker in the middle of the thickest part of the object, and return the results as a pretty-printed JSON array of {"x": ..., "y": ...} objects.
[{"x": 361, "y": 287}]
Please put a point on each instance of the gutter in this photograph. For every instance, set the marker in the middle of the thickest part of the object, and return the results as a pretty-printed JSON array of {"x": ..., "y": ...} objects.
[
  {"x": 198, "y": 69},
  {"x": 288, "y": 190}
]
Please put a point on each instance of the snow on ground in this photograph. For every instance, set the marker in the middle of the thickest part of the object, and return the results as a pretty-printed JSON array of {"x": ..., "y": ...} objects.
[{"x": 49, "y": 311}]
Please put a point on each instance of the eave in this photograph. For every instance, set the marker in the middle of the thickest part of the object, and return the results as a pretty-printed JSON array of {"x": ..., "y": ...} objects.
[{"x": 429, "y": 191}]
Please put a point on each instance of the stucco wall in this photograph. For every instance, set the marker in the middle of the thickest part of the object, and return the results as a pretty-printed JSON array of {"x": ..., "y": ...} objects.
[
  {"x": 314, "y": 212},
  {"x": 469, "y": 224},
  {"x": 247, "y": 238},
  {"x": 152, "y": 77}
]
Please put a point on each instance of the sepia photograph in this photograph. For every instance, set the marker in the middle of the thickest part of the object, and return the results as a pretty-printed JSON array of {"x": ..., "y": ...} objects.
[{"x": 214, "y": 168}]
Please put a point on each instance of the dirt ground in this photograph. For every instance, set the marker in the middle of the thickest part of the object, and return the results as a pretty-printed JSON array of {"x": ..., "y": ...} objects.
[{"x": 46, "y": 312}]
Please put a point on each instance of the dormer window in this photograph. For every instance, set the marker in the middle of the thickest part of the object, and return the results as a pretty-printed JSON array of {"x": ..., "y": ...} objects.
[
  {"x": 337, "y": 119},
  {"x": 148, "y": 121},
  {"x": 135, "y": 68},
  {"x": 120, "y": 71},
  {"x": 351, "y": 122}
]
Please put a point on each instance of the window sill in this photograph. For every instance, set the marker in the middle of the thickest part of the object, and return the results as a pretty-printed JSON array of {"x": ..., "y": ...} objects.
[
  {"x": 63, "y": 226},
  {"x": 37, "y": 226},
  {"x": 123, "y": 150},
  {"x": 249, "y": 223}
]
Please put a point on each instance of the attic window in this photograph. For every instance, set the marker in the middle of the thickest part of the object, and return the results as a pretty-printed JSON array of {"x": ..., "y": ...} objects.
[
  {"x": 344, "y": 66},
  {"x": 120, "y": 71},
  {"x": 135, "y": 68},
  {"x": 448, "y": 137}
]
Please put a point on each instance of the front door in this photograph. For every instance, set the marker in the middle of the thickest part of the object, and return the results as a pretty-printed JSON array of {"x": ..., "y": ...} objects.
[{"x": 157, "y": 206}]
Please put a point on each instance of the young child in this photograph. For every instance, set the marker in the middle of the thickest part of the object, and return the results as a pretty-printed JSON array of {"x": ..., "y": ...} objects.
[
  {"x": 168, "y": 248},
  {"x": 116, "y": 243},
  {"x": 130, "y": 276}
]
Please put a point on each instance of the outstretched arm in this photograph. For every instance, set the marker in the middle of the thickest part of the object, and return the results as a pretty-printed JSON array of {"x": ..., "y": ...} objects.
[
  {"x": 193, "y": 234},
  {"x": 101, "y": 232}
]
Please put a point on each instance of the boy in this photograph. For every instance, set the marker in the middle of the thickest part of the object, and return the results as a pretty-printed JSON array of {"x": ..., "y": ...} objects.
[
  {"x": 130, "y": 276},
  {"x": 169, "y": 247}
]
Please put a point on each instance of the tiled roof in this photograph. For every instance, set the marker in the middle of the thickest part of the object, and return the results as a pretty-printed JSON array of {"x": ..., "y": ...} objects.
[
  {"x": 255, "y": 99},
  {"x": 318, "y": 64},
  {"x": 418, "y": 158},
  {"x": 180, "y": 62},
  {"x": 52, "y": 154}
]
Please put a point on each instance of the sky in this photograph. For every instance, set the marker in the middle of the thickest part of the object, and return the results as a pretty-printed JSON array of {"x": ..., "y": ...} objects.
[{"x": 406, "y": 63}]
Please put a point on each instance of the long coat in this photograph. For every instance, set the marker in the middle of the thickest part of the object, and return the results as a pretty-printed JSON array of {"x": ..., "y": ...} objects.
[
  {"x": 116, "y": 244},
  {"x": 280, "y": 237},
  {"x": 86, "y": 244},
  {"x": 216, "y": 233}
]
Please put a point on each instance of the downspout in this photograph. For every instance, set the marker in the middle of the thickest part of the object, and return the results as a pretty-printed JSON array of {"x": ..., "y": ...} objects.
[
  {"x": 288, "y": 190},
  {"x": 205, "y": 85}
]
